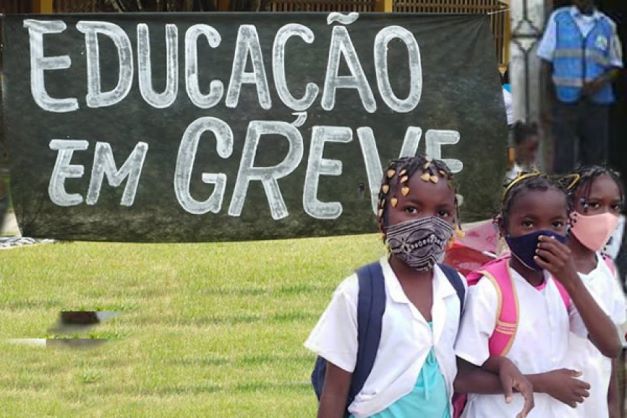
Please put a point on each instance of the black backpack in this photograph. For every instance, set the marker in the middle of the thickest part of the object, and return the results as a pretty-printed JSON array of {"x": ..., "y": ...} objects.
[{"x": 370, "y": 309}]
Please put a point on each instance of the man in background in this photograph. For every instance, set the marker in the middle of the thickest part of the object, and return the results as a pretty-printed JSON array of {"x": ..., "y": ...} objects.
[{"x": 581, "y": 46}]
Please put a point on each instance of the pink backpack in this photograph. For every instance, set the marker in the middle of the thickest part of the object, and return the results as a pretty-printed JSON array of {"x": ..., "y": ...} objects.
[
  {"x": 501, "y": 340},
  {"x": 497, "y": 272}
]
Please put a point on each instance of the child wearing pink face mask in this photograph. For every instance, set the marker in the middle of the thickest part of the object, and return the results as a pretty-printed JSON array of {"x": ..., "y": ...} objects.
[{"x": 596, "y": 199}]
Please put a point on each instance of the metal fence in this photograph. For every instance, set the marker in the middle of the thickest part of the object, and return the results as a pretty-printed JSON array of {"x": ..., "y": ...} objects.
[
  {"x": 321, "y": 5},
  {"x": 498, "y": 11}
]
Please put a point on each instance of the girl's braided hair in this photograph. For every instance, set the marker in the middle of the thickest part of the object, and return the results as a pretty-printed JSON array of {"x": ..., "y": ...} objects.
[
  {"x": 396, "y": 177},
  {"x": 583, "y": 177},
  {"x": 526, "y": 181}
]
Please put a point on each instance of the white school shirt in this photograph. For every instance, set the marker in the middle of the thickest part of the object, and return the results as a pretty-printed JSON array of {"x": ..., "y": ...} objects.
[
  {"x": 540, "y": 343},
  {"x": 583, "y": 355},
  {"x": 509, "y": 106},
  {"x": 406, "y": 339}
]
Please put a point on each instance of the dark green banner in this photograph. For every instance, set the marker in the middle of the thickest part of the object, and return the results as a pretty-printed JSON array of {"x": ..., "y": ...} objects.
[{"x": 210, "y": 127}]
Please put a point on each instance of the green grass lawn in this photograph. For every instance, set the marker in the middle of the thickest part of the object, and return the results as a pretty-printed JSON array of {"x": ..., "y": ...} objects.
[{"x": 204, "y": 329}]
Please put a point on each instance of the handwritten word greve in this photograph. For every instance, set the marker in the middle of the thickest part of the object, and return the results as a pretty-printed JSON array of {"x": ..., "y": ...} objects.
[{"x": 206, "y": 128}]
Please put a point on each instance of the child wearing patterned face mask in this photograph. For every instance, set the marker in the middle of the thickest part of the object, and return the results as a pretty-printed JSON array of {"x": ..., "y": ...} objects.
[
  {"x": 546, "y": 298},
  {"x": 414, "y": 368},
  {"x": 596, "y": 199}
]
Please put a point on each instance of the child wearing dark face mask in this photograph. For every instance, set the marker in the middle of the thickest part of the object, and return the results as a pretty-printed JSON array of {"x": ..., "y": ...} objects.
[
  {"x": 415, "y": 366},
  {"x": 548, "y": 299},
  {"x": 596, "y": 196}
]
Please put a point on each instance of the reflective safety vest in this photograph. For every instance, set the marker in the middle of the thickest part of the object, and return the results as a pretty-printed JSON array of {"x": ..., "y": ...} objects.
[{"x": 577, "y": 58}]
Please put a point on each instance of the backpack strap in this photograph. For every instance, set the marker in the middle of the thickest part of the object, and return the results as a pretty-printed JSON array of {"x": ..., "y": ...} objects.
[
  {"x": 370, "y": 309},
  {"x": 502, "y": 338},
  {"x": 474, "y": 276},
  {"x": 507, "y": 315},
  {"x": 610, "y": 263},
  {"x": 563, "y": 294},
  {"x": 453, "y": 277}
]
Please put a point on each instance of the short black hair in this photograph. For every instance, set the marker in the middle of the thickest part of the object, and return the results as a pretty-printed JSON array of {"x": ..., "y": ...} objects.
[
  {"x": 505, "y": 76},
  {"x": 584, "y": 176},
  {"x": 398, "y": 172},
  {"x": 522, "y": 130},
  {"x": 524, "y": 182}
]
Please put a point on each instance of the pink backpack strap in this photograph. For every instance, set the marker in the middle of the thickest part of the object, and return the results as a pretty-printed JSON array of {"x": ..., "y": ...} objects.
[
  {"x": 474, "y": 276},
  {"x": 502, "y": 338},
  {"x": 563, "y": 294},
  {"x": 610, "y": 264}
]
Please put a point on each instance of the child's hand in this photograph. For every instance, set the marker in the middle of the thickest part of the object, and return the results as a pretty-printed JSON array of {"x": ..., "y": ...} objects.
[
  {"x": 562, "y": 385},
  {"x": 557, "y": 259},
  {"x": 511, "y": 379}
]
